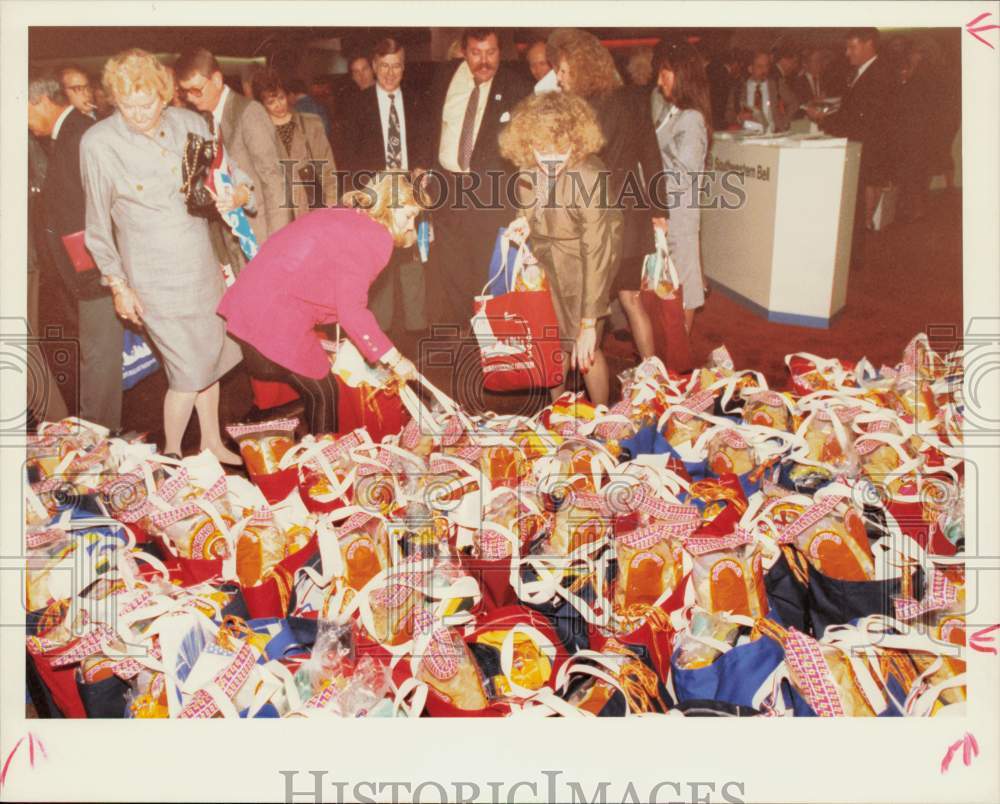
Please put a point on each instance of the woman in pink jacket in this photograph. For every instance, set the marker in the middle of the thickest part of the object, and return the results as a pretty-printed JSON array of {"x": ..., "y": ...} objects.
[{"x": 317, "y": 270}]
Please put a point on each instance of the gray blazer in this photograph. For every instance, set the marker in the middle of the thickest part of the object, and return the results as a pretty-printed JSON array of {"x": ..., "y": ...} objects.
[
  {"x": 784, "y": 103},
  {"x": 683, "y": 141},
  {"x": 249, "y": 136}
]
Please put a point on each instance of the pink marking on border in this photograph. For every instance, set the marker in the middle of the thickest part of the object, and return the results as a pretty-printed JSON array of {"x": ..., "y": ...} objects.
[
  {"x": 10, "y": 757},
  {"x": 979, "y": 642},
  {"x": 976, "y": 31}
]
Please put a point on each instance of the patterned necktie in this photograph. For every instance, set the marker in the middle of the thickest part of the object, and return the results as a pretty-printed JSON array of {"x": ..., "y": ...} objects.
[
  {"x": 466, "y": 140},
  {"x": 758, "y": 98},
  {"x": 394, "y": 147}
]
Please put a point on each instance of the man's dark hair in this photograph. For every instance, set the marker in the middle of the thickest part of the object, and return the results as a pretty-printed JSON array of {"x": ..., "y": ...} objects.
[
  {"x": 62, "y": 69},
  {"x": 386, "y": 47},
  {"x": 295, "y": 86},
  {"x": 478, "y": 34},
  {"x": 535, "y": 40},
  {"x": 786, "y": 51},
  {"x": 864, "y": 35},
  {"x": 46, "y": 85},
  {"x": 196, "y": 60}
]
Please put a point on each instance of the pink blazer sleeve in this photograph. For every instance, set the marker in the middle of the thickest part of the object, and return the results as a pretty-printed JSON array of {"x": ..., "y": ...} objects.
[{"x": 357, "y": 321}]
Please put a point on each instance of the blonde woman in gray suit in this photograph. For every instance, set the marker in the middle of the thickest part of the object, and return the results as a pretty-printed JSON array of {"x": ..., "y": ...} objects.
[
  {"x": 156, "y": 257},
  {"x": 683, "y": 133}
]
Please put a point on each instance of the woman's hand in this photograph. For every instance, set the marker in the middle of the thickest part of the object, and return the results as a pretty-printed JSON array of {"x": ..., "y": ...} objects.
[
  {"x": 404, "y": 370},
  {"x": 518, "y": 230},
  {"x": 127, "y": 305},
  {"x": 230, "y": 199},
  {"x": 585, "y": 346}
]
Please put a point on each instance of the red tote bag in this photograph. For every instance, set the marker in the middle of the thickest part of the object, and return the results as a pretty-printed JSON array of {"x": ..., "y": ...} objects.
[
  {"x": 379, "y": 411},
  {"x": 517, "y": 331},
  {"x": 662, "y": 298}
]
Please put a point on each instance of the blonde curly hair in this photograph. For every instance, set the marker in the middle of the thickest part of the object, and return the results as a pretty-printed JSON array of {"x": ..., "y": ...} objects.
[
  {"x": 386, "y": 193},
  {"x": 590, "y": 64},
  {"x": 552, "y": 121},
  {"x": 134, "y": 71}
]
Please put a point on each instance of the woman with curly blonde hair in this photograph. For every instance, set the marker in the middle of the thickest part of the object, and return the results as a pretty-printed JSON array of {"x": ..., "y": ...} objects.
[
  {"x": 571, "y": 229},
  {"x": 317, "y": 270},
  {"x": 155, "y": 256},
  {"x": 631, "y": 153}
]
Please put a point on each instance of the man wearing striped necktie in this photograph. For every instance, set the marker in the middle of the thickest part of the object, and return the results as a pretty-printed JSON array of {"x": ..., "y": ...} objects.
[{"x": 390, "y": 136}]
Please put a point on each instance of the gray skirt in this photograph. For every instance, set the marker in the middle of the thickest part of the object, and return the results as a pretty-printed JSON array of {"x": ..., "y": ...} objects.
[{"x": 179, "y": 299}]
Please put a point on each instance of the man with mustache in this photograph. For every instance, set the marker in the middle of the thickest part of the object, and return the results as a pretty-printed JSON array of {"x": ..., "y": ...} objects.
[{"x": 469, "y": 104}]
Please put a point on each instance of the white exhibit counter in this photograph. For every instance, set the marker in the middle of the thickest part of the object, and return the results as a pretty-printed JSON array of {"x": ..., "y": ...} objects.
[{"x": 783, "y": 249}]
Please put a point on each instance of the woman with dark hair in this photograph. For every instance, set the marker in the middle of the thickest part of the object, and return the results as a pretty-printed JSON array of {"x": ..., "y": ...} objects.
[
  {"x": 683, "y": 134},
  {"x": 630, "y": 154},
  {"x": 303, "y": 139}
]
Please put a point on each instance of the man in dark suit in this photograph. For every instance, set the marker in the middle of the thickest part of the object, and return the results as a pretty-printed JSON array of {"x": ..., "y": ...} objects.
[
  {"x": 249, "y": 138},
  {"x": 470, "y": 102},
  {"x": 100, "y": 330},
  {"x": 811, "y": 84},
  {"x": 865, "y": 115},
  {"x": 786, "y": 73},
  {"x": 388, "y": 135},
  {"x": 723, "y": 71}
]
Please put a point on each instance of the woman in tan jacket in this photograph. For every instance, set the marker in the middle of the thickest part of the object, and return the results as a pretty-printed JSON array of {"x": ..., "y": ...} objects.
[
  {"x": 571, "y": 227},
  {"x": 303, "y": 139}
]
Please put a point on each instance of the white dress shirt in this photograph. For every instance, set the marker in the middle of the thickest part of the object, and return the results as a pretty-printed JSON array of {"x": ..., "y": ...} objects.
[
  {"x": 59, "y": 122},
  {"x": 383, "y": 113},
  {"x": 453, "y": 115},
  {"x": 862, "y": 68},
  {"x": 765, "y": 99},
  {"x": 813, "y": 83}
]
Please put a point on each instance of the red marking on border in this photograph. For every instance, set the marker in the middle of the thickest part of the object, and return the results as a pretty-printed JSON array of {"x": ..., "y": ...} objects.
[{"x": 976, "y": 31}]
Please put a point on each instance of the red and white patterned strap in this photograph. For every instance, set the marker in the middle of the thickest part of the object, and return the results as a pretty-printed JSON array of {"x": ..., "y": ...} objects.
[
  {"x": 238, "y": 431},
  {"x": 33, "y": 540},
  {"x": 87, "y": 645},
  {"x": 442, "y": 655},
  {"x": 172, "y": 486},
  {"x": 354, "y": 522},
  {"x": 701, "y": 545},
  {"x": 764, "y": 396},
  {"x": 322, "y": 698},
  {"x": 845, "y": 414},
  {"x": 810, "y": 517},
  {"x": 810, "y": 671},
  {"x": 732, "y": 438},
  {"x": 229, "y": 681},
  {"x": 698, "y": 402},
  {"x": 942, "y": 594},
  {"x": 126, "y": 669},
  {"x": 644, "y": 538}
]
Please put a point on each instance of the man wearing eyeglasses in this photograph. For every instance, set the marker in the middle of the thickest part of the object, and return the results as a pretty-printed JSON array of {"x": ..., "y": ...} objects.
[
  {"x": 78, "y": 89},
  {"x": 248, "y": 136},
  {"x": 387, "y": 134}
]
